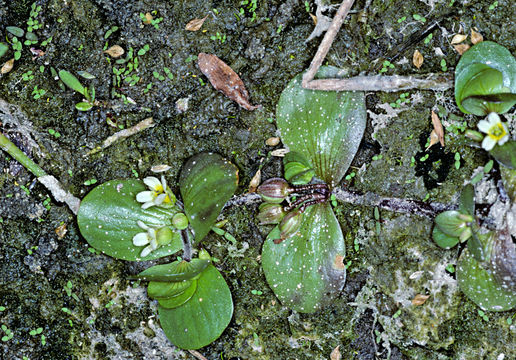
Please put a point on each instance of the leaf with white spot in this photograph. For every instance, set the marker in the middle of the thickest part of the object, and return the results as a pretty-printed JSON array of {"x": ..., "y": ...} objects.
[
  {"x": 480, "y": 286},
  {"x": 325, "y": 127},
  {"x": 207, "y": 182},
  {"x": 108, "y": 218},
  {"x": 203, "y": 318},
  {"x": 307, "y": 269},
  {"x": 503, "y": 260}
]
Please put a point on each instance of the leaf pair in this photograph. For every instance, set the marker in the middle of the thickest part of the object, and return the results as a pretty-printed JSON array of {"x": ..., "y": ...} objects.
[
  {"x": 323, "y": 131},
  {"x": 485, "y": 80}
]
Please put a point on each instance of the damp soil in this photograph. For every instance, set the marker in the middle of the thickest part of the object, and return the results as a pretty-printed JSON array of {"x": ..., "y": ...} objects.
[{"x": 82, "y": 301}]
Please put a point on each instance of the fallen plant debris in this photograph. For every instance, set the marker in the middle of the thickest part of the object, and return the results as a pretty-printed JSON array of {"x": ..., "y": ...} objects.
[
  {"x": 8, "y": 66},
  {"x": 115, "y": 51},
  {"x": 419, "y": 299},
  {"x": 417, "y": 59},
  {"x": 195, "y": 24},
  {"x": 476, "y": 37},
  {"x": 438, "y": 128},
  {"x": 224, "y": 79}
]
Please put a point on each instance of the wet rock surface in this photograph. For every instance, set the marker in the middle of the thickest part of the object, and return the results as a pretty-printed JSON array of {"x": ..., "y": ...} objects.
[{"x": 82, "y": 300}]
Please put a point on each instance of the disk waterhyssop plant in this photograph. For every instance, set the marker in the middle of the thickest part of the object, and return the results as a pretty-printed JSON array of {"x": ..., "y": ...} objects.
[
  {"x": 303, "y": 256},
  {"x": 135, "y": 220}
]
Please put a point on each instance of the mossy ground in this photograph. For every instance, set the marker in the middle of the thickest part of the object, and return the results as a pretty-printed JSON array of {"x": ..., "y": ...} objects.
[{"x": 101, "y": 315}]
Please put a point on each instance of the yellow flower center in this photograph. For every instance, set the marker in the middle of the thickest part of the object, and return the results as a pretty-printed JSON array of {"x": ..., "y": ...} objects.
[
  {"x": 497, "y": 131},
  {"x": 167, "y": 199}
]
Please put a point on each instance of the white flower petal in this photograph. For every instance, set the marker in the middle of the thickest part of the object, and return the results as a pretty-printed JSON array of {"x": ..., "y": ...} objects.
[
  {"x": 164, "y": 183},
  {"x": 504, "y": 139},
  {"x": 152, "y": 182},
  {"x": 145, "y": 196},
  {"x": 142, "y": 225},
  {"x": 147, "y": 205},
  {"x": 154, "y": 244},
  {"x": 146, "y": 251},
  {"x": 152, "y": 234},
  {"x": 159, "y": 199},
  {"x": 488, "y": 143},
  {"x": 493, "y": 118},
  {"x": 140, "y": 239},
  {"x": 484, "y": 126}
]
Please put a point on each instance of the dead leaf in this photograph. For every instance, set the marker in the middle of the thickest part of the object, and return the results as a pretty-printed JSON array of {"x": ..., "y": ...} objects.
[
  {"x": 335, "y": 354},
  {"x": 438, "y": 128},
  {"x": 148, "y": 18},
  {"x": 461, "y": 48},
  {"x": 314, "y": 18},
  {"x": 434, "y": 139},
  {"x": 476, "y": 37},
  {"x": 61, "y": 231},
  {"x": 272, "y": 141},
  {"x": 160, "y": 168},
  {"x": 115, "y": 51},
  {"x": 224, "y": 79},
  {"x": 279, "y": 152},
  {"x": 338, "y": 262},
  {"x": 417, "y": 59},
  {"x": 458, "y": 38},
  {"x": 195, "y": 24},
  {"x": 255, "y": 181},
  {"x": 419, "y": 299},
  {"x": 8, "y": 66}
]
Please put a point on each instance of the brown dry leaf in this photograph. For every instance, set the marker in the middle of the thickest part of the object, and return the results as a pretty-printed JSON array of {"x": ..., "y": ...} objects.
[
  {"x": 224, "y": 79},
  {"x": 272, "y": 141},
  {"x": 417, "y": 59},
  {"x": 434, "y": 139},
  {"x": 8, "y": 66},
  {"x": 461, "y": 48},
  {"x": 476, "y": 37},
  {"x": 195, "y": 24},
  {"x": 419, "y": 299},
  {"x": 279, "y": 152},
  {"x": 148, "y": 18},
  {"x": 115, "y": 51},
  {"x": 61, "y": 231},
  {"x": 255, "y": 181},
  {"x": 457, "y": 39},
  {"x": 314, "y": 18},
  {"x": 335, "y": 354},
  {"x": 438, "y": 127}
]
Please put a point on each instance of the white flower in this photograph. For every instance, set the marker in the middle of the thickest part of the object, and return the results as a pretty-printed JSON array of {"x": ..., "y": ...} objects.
[
  {"x": 146, "y": 238},
  {"x": 496, "y": 131},
  {"x": 157, "y": 195}
]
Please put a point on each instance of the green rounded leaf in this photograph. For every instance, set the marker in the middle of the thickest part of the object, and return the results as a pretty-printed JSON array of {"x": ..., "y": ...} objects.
[
  {"x": 179, "y": 299},
  {"x": 325, "y": 127},
  {"x": 450, "y": 223},
  {"x": 467, "y": 200},
  {"x": 443, "y": 240},
  {"x": 178, "y": 270},
  {"x": 71, "y": 81},
  {"x": 207, "y": 182},
  {"x": 3, "y": 49},
  {"x": 305, "y": 270},
  {"x": 16, "y": 31},
  {"x": 164, "y": 290},
  {"x": 83, "y": 106},
  {"x": 485, "y": 104},
  {"x": 480, "y": 287},
  {"x": 108, "y": 218},
  {"x": 203, "y": 318},
  {"x": 505, "y": 154},
  {"x": 485, "y": 69}
]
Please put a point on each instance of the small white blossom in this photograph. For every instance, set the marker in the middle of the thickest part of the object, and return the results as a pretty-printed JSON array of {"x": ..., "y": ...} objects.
[
  {"x": 146, "y": 238},
  {"x": 496, "y": 131},
  {"x": 157, "y": 195}
]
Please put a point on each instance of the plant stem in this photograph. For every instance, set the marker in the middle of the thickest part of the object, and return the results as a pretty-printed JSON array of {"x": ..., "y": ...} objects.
[
  {"x": 187, "y": 245},
  {"x": 20, "y": 156}
]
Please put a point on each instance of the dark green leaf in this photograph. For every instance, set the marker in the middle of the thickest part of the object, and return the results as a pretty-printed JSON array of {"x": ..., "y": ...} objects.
[
  {"x": 203, "y": 318},
  {"x": 478, "y": 245},
  {"x": 174, "y": 271},
  {"x": 180, "y": 299},
  {"x": 505, "y": 154},
  {"x": 483, "y": 56},
  {"x": 503, "y": 260},
  {"x": 164, "y": 290},
  {"x": 297, "y": 169},
  {"x": 450, "y": 223},
  {"x": 31, "y": 36},
  {"x": 71, "y": 81},
  {"x": 305, "y": 270},
  {"x": 325, "y": 127},
  {"x": 485, "y": 104},
  {"x": 207, "y": 182},
  {"x": 3, "y": 49},
  {"x": 108, "y": 218},
  {"x": 443, "y": 240},
  {"x": 16, "y": 31},
  {"x": 467, "y": 200},
  {"x": 509, "y": 181},
  {"x": 479, "y": 285}
]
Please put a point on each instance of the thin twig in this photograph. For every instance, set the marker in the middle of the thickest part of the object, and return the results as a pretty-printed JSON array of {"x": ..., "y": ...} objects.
[
  {"x": 366, "y": 83},
  {"x": 197, "y": 354},
  {"x": 407, "y": 206}
]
